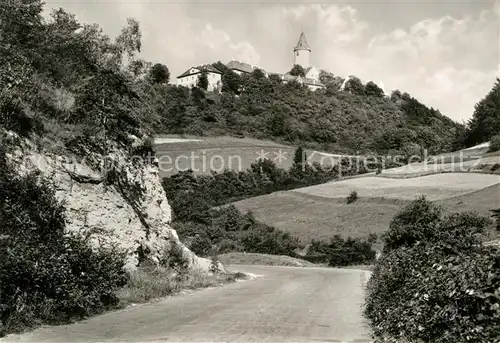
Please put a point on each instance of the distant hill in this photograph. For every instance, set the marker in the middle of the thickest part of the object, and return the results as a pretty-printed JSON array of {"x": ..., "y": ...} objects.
[{"x": 346, "y": 117}]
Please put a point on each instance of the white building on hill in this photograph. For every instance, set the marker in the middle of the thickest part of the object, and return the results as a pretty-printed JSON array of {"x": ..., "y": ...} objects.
[
  {"x": 190, "y": 77},
  {"x": 302, "y": 55}
]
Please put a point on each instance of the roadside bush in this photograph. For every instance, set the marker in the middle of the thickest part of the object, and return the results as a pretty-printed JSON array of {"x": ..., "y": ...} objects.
[
  {"x": 265, "y": 239},
  {"x": 47, "y": 276},
  {"x": 423, "y": 221},
  {"x": 435, "y": 282}
]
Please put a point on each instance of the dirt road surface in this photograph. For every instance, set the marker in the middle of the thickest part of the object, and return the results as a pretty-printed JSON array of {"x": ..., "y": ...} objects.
[{"x": 281, "y": 304}]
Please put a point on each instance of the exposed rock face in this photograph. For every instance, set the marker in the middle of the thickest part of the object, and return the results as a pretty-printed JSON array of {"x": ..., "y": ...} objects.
[{"x": 109, "y": 214}]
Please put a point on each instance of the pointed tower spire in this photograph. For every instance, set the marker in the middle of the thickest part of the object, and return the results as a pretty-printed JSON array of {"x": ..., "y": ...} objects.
[{"x": 302, "y": 43}]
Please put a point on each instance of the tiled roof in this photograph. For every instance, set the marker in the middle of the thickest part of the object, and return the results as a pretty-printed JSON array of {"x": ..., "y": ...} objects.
[
  {"x": 312, "y": 82},
  {"x": 241, "y": 66},
  {"x": 207, "y": 67},
  {"x": 302, "y": 43}
]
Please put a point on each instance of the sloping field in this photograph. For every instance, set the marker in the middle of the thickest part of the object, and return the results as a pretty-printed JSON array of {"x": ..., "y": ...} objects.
[
  {"x": 204, "y": 154},
  {"x": 313, "y": 212},
  {"x": 456, "y": 165},
  {"x": 474, "y": 152},
  {"x": 473, "y": 159},
  {"x": 309, "y": 217},
  {"x": 435, "y": 187}
]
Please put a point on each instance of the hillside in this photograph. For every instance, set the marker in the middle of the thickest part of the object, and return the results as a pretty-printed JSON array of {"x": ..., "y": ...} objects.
[
  {"x": 331, "y": 120},
  {"x": 320, "y": 212}
]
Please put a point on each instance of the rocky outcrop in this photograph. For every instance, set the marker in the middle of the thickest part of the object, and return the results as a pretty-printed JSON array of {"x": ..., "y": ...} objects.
[{"x": 129, "y": 212}]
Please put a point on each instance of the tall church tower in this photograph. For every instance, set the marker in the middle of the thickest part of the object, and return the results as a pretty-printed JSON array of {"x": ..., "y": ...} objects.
[{"x": 302, "y": 52}]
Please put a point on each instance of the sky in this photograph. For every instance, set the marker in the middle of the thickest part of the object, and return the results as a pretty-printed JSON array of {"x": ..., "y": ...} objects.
[{"x": 444, "y": 53}]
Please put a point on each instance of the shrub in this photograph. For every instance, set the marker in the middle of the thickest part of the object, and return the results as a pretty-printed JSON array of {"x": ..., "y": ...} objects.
[
  {"x": 494, "y": 143},
  {"x": 424, "y": 221},
  {"x": 435, "y": 282},
  {"x": 353, "y": 196},
  {"x": 145, "y": 150},
  {"x": 268, "y": 240},
  {"x": 496, "y": 215},
  {"x": 342, "y": 251},
  {"x": 174, "y": 259},
  {"x": 47, "y": 276}
]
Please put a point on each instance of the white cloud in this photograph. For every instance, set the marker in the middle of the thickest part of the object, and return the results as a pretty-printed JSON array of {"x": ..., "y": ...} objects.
[
  {"x": 222, "y": 45},
  {"x": 340, "y": 23}
]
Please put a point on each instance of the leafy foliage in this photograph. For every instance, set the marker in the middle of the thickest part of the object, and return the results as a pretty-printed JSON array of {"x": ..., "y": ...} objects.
[
  {"x": 341, "y": 252},
  {"x": 496, "y": 215},
  {"x": 495, "y": 143},
  {"x": 355, "y": 86},
  {"x": 353, "y": 196},
  {"x": 371, "y": 89},
  {"x": 435, "y": 282},
  {"x": 202, "y": 80},
  {"x": 485, "y": 122},
  {"x": 159, "y": 73},
  {"x": 297, "y": 70}
]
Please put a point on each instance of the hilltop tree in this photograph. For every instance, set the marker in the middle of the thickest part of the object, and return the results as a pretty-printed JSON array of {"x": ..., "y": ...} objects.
[
  {"x": 258, "y": 74},
  {"x": 355, "y": 86},
  {"x": 326, "y": 78},
  {"x": 275, "y": 78},
  {"x": 203, "y": 80},
  {"x": 231, "y": 82},
  {"x": 220, "y": 66},
  {"x": 128, "y": 43},
  {"x": 297, "y": 70},
  {"x": 485, "y": 122},
  {"x": 396, "y": 95},
  {"x": 371, "y": 89},
  {"x": 159, "y": 74}
]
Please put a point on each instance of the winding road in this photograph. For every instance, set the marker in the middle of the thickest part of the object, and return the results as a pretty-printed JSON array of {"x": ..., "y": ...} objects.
[{"x": 281, "y": 304}]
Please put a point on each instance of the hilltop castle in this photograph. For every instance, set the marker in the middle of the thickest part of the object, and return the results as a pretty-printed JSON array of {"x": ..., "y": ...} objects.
[{"x": 301, "y": 56}]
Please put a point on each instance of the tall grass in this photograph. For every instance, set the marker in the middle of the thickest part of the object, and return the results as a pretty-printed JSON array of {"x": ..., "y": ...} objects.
[{"x": 150, "y": 283}]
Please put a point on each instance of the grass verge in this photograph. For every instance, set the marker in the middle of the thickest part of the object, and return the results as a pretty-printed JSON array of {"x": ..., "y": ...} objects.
[
  {"x": 148, "y": 284},
  {"x": 263, "y": 260}
]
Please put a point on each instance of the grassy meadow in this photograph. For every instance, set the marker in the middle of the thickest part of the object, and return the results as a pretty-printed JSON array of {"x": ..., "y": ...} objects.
[{"x": 322, "y": 213}]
